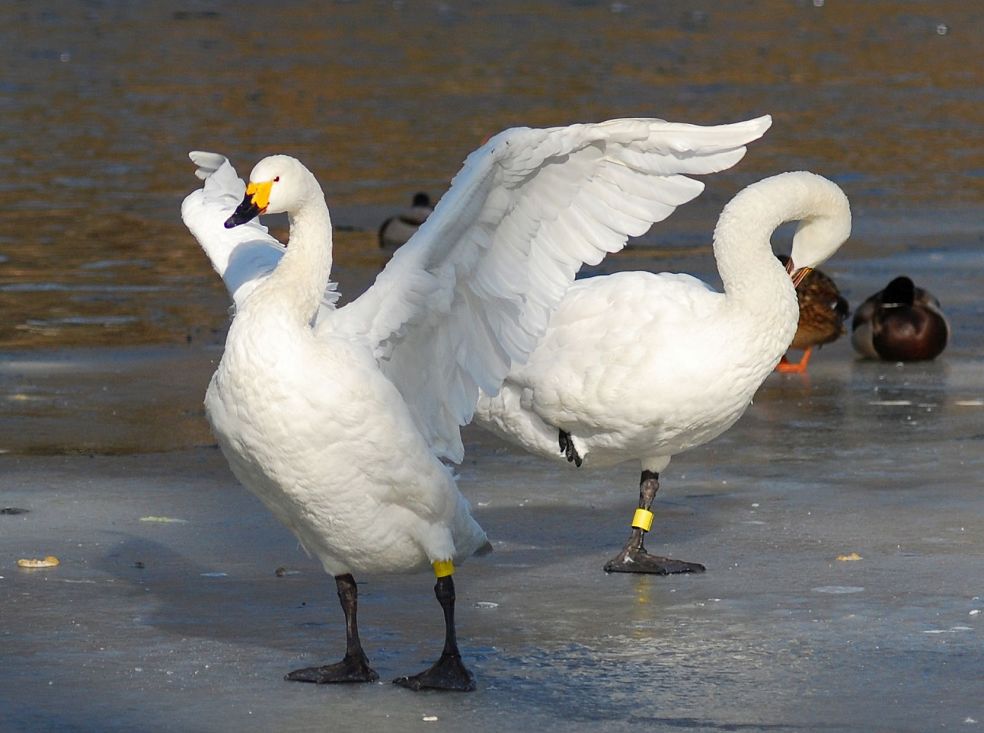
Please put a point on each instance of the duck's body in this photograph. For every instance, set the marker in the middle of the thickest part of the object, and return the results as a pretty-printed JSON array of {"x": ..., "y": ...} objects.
[
  {"x": 901, "y": 322},
  {"x": 338, "y": 418},
  {"x": 396, "y": 231},
  {"x": 822, "y": 313},
  {"x": 636, "y": 366}
]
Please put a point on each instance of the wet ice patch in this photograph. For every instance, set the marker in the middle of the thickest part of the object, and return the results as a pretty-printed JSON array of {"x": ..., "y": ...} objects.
[
  {"x": 109, "y": 264},
  {"x": 81, "y": 321}
]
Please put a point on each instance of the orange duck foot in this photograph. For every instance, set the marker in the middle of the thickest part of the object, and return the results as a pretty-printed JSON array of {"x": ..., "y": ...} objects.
[{"x": 786, "y": 366}]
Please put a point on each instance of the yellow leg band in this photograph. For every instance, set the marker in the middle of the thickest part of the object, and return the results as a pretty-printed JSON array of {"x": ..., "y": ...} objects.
[
  {"x": 443, "y": 568},
  {"x": 643, "y": 519}
]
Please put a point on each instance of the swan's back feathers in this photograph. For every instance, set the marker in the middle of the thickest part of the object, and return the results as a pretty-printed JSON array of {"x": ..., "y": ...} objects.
[
  {"x": 471, "y": 293},
  {"x": 244, "y": 255}
]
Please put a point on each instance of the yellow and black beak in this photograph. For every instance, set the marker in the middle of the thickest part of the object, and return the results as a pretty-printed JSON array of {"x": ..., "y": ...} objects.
[
  {"x": 254, "y": 203},
  {"x": 798, "y": 275}
]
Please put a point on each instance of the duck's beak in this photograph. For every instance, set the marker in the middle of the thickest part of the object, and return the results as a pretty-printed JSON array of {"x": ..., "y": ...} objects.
[
  {"x": 797, "y": 274},
  {"x": 800, "y": 275},
  {"x": 254, "y": 203}
]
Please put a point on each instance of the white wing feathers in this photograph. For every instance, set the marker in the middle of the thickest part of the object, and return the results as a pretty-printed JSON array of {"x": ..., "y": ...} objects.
[
  {"x": 471, "y": 293},
  {"x": 244, "y": 255}
]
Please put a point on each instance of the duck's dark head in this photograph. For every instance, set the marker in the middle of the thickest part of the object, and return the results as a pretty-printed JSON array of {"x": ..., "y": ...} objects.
[{"x": 901, "y": 291}]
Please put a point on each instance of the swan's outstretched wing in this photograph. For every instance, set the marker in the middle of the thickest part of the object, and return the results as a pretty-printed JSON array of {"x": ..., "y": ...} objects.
[
  {"x": 244, "y": 255},
  {"x": 471, "y": 293}
]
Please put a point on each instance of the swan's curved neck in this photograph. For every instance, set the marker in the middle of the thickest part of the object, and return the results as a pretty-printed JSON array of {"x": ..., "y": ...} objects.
[
  {"x": 298, "y": 283},
  {"x": 754, "y": 279}
]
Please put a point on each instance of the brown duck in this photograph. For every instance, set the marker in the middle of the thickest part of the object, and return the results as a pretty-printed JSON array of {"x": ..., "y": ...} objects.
[
  {"x": 902, "y": 322},
  {"x": 822, "y": 312}
]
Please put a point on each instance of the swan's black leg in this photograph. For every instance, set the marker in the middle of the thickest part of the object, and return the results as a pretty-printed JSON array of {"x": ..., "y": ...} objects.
[
  {"x": 354, "y": 667},
  {"x": 633, "y": 558},
  {"x": 568, "y": 449},
  {"x": 448, "y": 672}
]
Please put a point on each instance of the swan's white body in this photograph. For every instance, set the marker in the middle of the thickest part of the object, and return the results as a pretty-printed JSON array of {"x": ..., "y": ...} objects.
[
  {"x": 643, "y": 366},
  {"x": 313, "y": 427},
  {"x": 337, "y": 419}
]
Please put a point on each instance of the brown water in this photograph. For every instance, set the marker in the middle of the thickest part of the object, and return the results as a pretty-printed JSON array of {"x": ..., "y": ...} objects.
[{"x": 102, "y": 100}]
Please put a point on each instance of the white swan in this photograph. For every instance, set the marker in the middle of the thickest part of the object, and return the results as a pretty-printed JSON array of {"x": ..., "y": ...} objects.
[
  {"x": 638, "y": 366},
  {"x": 336, "y": 419}
]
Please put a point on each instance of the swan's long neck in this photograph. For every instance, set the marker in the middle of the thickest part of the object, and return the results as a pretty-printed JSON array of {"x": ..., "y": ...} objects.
[
  {"x": 755, "y": 282},
  {"x": 298, "y": 283}
]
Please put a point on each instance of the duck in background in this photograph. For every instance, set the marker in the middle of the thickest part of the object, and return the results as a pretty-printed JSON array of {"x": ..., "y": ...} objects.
[
  {"x": 901, "y": 322},
  {"x": 822, "y": 313},
  {"x": 395, "y": 231}
]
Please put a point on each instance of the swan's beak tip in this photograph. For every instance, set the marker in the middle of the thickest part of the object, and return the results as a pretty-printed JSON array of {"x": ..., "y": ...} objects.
[{"x": 246, "y": 211}]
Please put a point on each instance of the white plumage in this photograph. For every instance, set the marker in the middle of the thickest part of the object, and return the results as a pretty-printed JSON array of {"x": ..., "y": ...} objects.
[
  {"x": 643, "y": 366},
  {"x": 337, "y": 419}
]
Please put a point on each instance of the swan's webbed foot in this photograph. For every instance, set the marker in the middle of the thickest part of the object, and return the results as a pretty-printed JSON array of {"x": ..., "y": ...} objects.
[
  {"x": 354, "y": 666},
  {"x": 448, "y": 673},
  {"x": 568, "y": 449},
  {"x": 350, "y": 669},
  {"x": 631, "y": 560}
]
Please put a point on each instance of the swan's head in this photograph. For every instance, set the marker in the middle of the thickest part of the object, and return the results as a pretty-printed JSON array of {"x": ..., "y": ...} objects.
[
  {"x": 278, "y": 183},
  {"x": 823, "y": 228}
]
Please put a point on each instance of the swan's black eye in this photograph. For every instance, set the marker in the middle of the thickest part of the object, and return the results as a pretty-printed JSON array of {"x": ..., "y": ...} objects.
[{"x": 276, "y": 179}]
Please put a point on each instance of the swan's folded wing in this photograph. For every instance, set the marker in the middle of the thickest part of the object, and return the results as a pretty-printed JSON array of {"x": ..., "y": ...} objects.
[
  {"x": 244, "y": 255},
  {"x": 471, "y": 293}
]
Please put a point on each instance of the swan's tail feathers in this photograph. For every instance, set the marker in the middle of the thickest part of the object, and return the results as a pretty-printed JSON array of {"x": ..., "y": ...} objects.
[{"x": 207, "y": 163}]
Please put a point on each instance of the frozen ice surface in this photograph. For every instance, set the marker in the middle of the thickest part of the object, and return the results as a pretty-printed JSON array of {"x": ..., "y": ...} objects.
[
  {"x": 150, "y": 625},
  {"x": 156, "y": 625}
]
